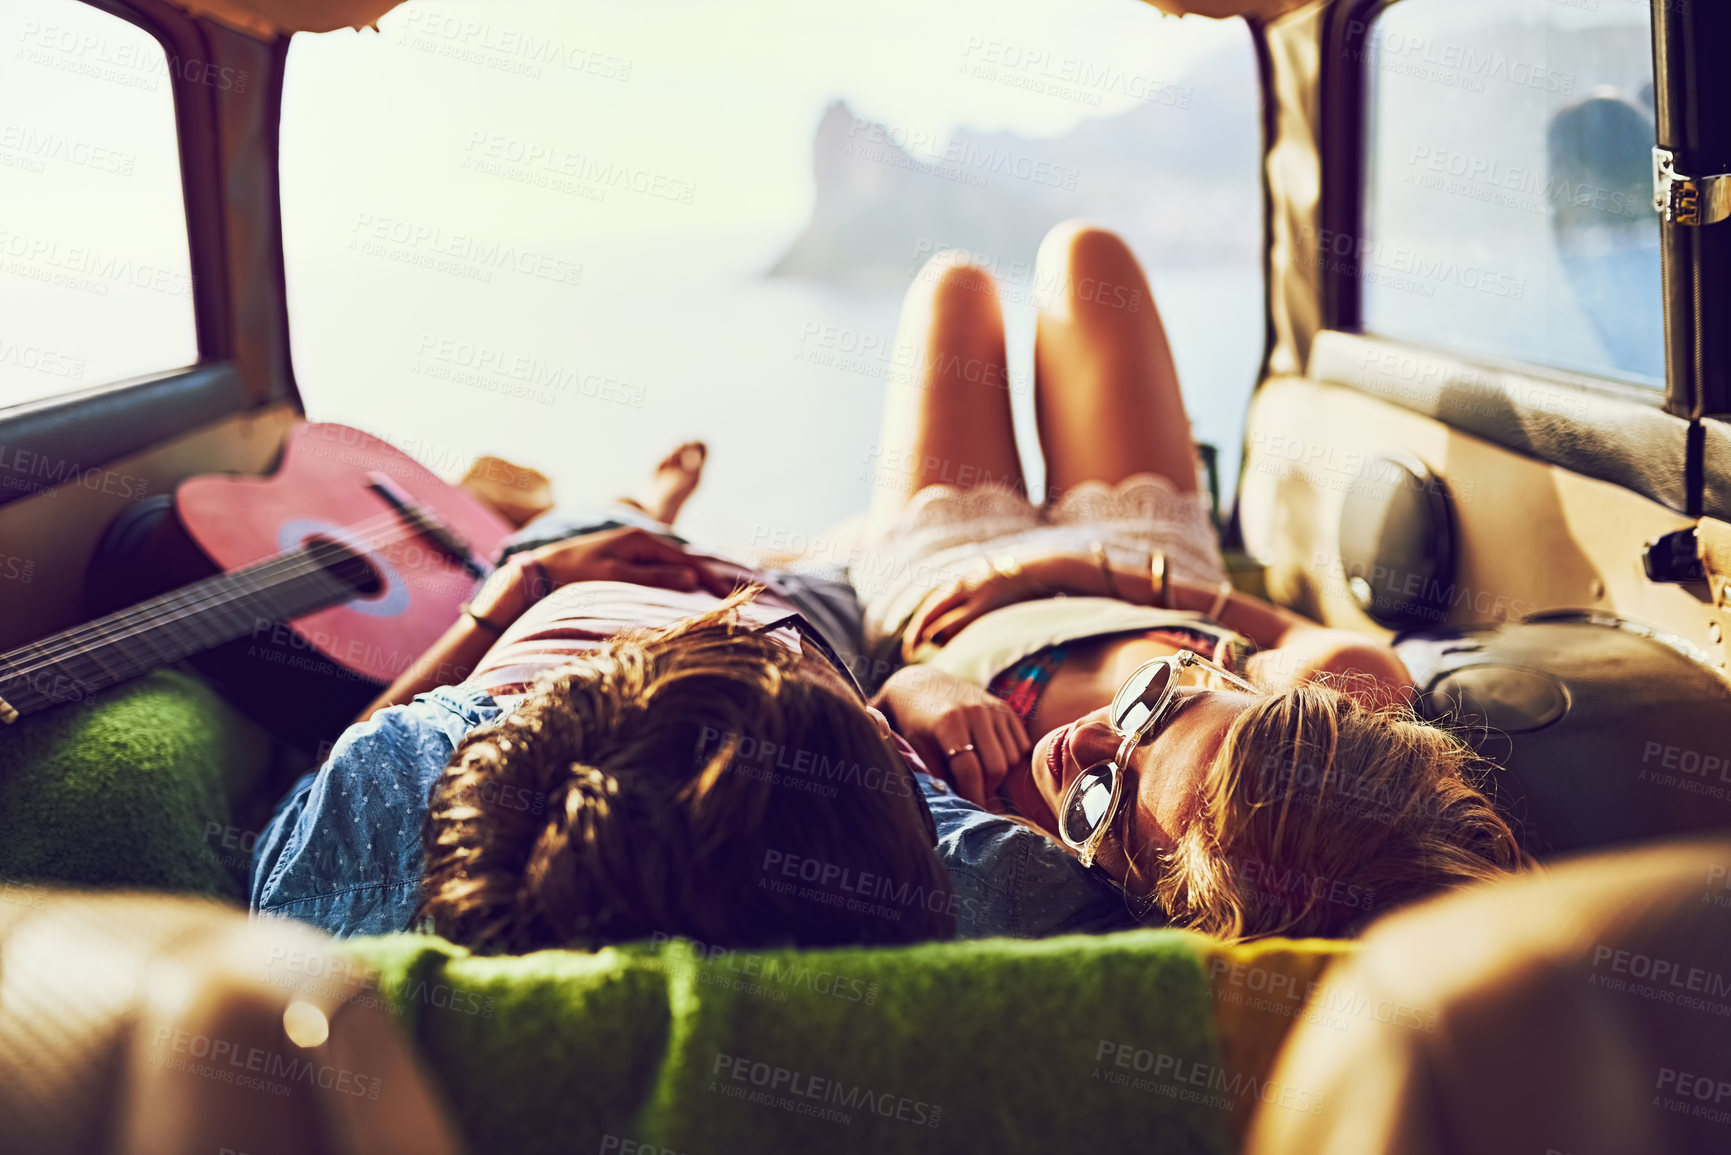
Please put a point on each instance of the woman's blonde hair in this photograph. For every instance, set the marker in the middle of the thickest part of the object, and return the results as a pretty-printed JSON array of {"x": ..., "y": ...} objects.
[{"x": 1319, "y": 813}]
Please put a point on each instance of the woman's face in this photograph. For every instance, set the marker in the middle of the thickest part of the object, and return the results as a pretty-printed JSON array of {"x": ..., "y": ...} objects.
[{"x": 1166, "y": 771}]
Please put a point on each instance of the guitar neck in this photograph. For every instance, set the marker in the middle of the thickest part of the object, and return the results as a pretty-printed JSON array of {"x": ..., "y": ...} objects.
[{"x": 74, "y": 664}]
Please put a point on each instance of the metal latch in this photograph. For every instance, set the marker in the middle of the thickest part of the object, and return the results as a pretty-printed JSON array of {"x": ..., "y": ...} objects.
[
  {"x": 1688, "y": 200},
  {"x": 1674, "y": 558}
]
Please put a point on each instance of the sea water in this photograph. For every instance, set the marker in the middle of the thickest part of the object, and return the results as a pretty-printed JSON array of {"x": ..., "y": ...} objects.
[{"x": 592, "y": 368}]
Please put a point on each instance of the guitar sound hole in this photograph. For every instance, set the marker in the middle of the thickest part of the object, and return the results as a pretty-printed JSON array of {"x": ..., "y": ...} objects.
[{"x": 346, "y": 565}]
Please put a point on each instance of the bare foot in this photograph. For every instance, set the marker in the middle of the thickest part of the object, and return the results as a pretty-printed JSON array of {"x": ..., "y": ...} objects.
[{"x": 674, "y": 480}]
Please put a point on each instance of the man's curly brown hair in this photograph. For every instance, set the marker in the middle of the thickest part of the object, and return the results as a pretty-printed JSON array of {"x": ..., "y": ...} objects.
[{"x": 694, "y": 781}]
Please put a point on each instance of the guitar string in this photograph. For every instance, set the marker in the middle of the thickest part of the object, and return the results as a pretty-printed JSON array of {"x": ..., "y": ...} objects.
[
  {"x": 175, "y": 605},
  {"x": 89, "y": 641},
  {"x": 179, "y": 605}
]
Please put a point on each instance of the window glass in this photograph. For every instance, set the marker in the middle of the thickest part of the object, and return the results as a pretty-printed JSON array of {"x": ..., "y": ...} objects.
[
  {"x": 1510, "y": 208},
  {"x": 95, "y": 276},
  {"x": 575, "y": 232}
]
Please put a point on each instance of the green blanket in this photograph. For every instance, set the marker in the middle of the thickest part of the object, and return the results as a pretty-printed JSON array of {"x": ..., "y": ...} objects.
[
  {"x": 131, "y": 789},
  {"x": 1071, "y": 1044}
]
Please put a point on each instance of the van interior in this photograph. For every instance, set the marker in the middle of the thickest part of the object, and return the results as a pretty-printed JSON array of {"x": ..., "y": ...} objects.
[{"x": 1440, "y": 278}]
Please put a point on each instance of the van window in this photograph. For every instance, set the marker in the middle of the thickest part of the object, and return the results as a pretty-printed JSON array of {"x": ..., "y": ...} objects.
[
  {"x": 95, "y": 273},
  {"x": 1510, "y": 205},
  {"x": 575, "y": 234}
]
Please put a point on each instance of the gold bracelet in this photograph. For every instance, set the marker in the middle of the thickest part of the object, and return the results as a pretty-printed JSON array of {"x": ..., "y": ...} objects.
[
  {"x": 1098, "y": 549},
  {"x": 1003, "y": 566},
  {"x": 1161, "y": 577}
]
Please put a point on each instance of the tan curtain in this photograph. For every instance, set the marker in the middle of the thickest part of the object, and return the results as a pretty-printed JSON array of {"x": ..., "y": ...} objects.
[
  {"x": 266, "y": 19},
  {"x": 1253, "y": 9}
]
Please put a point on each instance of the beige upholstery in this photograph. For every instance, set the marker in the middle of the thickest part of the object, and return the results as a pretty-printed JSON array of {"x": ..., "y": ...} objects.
[
  {"x": 141, "y": 1024},
  {"x": 267, "y": 19},
  {"x": 1587, "y": 1010},
  {"x": 1252, "y": 9}
]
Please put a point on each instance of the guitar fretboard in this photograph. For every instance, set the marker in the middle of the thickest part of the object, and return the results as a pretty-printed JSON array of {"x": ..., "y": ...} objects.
[{"x": 72, "y": 665}]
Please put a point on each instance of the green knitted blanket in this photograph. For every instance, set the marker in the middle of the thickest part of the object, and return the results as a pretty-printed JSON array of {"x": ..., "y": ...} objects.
[
  {"x": 1071, "y": 1044},
  {"x": 133, "y": 788}
]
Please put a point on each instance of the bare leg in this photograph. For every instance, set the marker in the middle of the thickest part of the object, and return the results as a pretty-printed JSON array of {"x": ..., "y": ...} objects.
[
  {"x": 672, "y": 483},
  {"x": 947, "y": 416},
  {"x": 1105, "y": 388}
]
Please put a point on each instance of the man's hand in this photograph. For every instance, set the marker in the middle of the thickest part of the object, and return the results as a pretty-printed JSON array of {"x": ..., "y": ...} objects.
[
  {"x": 938, "y": 713},
  {"x": 627, "y": 554}
]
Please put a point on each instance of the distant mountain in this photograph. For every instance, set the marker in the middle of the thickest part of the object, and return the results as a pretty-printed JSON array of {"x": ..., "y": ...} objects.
[{"x": 1177, "y": 175}]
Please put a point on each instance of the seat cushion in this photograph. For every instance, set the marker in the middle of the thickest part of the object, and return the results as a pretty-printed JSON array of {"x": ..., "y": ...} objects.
[
  {"x": 1258, "y": 992},
  {"x": 1064, "y": 1044},
  {"x": 1580, "y": 1008}
]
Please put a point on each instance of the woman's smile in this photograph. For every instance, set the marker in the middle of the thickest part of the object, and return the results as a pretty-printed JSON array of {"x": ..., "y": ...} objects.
[
  {"x": 1169, "y": 765},
  {"x": 1071, "y": 750},
  {"x": 1056, "y": 744},
  {"x": 1058, "y": 759}
]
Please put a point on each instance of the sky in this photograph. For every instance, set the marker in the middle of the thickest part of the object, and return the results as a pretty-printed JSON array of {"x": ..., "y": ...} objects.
[{"x": 720, "y": 97}]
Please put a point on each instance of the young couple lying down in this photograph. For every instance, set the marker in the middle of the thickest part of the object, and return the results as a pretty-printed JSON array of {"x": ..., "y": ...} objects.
[{"x": 1088, "y": 728}]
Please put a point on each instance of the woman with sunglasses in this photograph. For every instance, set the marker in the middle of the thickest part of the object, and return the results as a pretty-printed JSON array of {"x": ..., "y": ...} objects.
[
  {"x": 1084, "y": 664},
  {"x": 620, "y": 739}
]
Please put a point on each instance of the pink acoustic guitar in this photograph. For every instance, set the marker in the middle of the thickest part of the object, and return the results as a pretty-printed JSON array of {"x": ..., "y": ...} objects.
[{"x": 366, "y": 554}]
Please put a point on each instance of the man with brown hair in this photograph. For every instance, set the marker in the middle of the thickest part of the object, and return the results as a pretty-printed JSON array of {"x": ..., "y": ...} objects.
[{"x": 703, "y": 780}]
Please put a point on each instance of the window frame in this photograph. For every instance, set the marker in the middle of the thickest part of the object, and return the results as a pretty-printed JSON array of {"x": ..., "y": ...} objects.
[
  {"x": 1661, "y": 461},
  {"x": 99, "y": 424}
]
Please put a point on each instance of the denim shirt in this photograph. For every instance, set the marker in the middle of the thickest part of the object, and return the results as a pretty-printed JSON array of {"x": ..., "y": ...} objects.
[
  {"x": 1011, "y": 881},
  {"x": 344, "y": 852}
]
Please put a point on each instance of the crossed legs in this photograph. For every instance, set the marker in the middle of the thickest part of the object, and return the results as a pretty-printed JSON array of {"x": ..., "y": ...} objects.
[{"x": 1106, "y": 393}]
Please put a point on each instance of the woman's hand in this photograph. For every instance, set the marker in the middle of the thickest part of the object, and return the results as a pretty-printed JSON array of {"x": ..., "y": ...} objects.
[
  {"x": 627, "y": 554},
  {"x": 958, "y": 728},
  {"x": 950, "y": 607}
]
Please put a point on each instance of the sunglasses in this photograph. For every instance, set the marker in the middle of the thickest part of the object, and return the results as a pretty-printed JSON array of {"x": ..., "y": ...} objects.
[
  {"x": 1143, "y": 705},
  {"x": 809, "y": 633}
]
